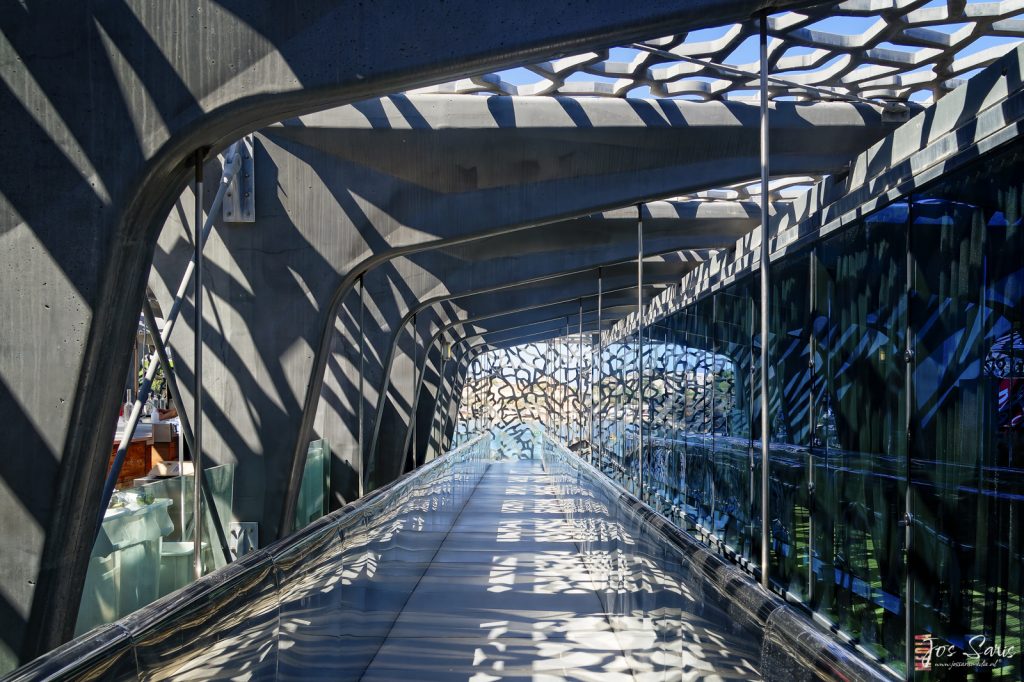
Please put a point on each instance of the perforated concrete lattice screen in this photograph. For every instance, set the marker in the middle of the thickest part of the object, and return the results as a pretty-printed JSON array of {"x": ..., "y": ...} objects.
[
  {"x": 550, "y": 387},
  {"x": 886, "y": 50},
  {"x": 538, "y": 385}
]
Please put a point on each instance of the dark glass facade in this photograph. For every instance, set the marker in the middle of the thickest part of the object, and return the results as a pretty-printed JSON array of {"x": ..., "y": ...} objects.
[{"x": 896, "y": 388}]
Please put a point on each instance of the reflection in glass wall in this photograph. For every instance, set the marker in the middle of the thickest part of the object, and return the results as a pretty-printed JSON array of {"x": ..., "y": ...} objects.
[
  {"x": 910, "y": 317},
  {"x": 967, "y": 405},
  {"x": 788, "y": 408},
  {"x": 896, "y": 393},
  {"x": 857, "y": 419}
]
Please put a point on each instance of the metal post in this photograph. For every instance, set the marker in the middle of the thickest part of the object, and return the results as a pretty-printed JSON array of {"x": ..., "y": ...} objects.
[
  {"x": 451, "y": 418},
  {"x": 442, "y": 388},
  {"x": 181, "y": 467},
  {"x": 361, "y": 398},
  {"x": 909, "y": 405},
  {"x": 566, "y": 398},
  {"x": 445, "y": 410},
  {"x": 713, "y": 369},
  {"x": 492, "y": 408},
  {"x": 619, "y": 413},
  {"x": 434, "y": 439},
  {"x": 765, "y": 229},
  {"x": 579, "y": 378},
  {"x": 477, "y": 376},
  {"x": 412, "y": 400},
  {"x": 566, "y": 366},
  {"x": 751, "y": 464},
  {"x": 443, "y": 415},
  {"x": 176, "y": 399},
  {"x": 486, "y": 365},
  {"x": 564, "y": 354},
  {"x": 553, "y": 370},
  {"x": 812, "y": 417},
  {"x": 169, "y": 377},
  {"x": 553, "y": 364},
  {"x": 640, "y": 347},
  {"x": 684, "y": 457},
  {"x": 600, "y": 353},
  {"x": 433, "y": 409},
  {"x": 480, "y": 378},
  {"x": 474, "y": 377},
  {"x": 551, "y": 390},
  {"x": 197, "y": 407},
  {"x": 135, "y": 363},
  {"x": 473, "y": 381}
]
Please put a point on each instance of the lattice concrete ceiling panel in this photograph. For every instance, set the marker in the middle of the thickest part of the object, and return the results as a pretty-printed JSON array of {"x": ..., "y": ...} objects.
[{"x": 885, "y": 50}]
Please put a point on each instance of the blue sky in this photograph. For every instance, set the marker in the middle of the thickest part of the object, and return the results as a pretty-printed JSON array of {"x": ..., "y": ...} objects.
[{"x": 746, "y": 53}]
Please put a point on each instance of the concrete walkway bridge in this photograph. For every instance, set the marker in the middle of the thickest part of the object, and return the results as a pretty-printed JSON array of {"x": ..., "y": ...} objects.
[{"x": 522, "y": 339}]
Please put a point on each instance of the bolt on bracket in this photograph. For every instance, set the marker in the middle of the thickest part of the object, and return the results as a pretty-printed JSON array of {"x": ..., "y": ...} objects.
[{"x": 240, "y": 199}]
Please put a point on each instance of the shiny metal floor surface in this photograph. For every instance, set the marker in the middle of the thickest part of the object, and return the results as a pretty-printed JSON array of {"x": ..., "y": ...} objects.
[{"x": 534, "y": 580}]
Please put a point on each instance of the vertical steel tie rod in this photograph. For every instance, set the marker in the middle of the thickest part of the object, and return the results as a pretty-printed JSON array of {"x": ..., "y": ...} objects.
[
  {"x": 640, "y": 346},
  {"x": 566, "y": 398},
  {"x": 579, "y": 378},
  {"x": 197, "y": 409},
  {"x": 362, "y": 384},
  {"x": 600, "y": 352},
  {"x": 169, "y": 377},
  {"x": 415, "y": 393},
  {"x": 909, "y": 397},
  {"x": 186, "y": 428},
  {"x": 765, "y": 237}
]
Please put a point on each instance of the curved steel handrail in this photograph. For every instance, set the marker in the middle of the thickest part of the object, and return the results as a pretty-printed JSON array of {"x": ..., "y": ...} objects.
[{"x": 793, "y": 643}]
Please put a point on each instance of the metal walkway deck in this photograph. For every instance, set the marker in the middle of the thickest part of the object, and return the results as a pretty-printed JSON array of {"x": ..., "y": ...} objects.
[
  {"x": 471, "y": 568},
  {"x": 509, "y": 594}
]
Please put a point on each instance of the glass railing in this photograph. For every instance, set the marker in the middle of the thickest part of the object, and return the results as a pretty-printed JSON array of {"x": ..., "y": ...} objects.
[
  {"x": 314, "y": 493},
  {"x": 790, "y": 645},
  {"x": 145, "y": 546}
]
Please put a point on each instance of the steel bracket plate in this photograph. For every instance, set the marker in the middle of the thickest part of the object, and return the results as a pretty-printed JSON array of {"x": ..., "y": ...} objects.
[
  {"x": 240, "y": 199},
  {"x": 244, "y": 537}
]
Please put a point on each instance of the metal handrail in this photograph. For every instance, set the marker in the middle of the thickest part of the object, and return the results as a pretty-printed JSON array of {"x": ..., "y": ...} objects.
[{"x": 801, "y": 639}]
